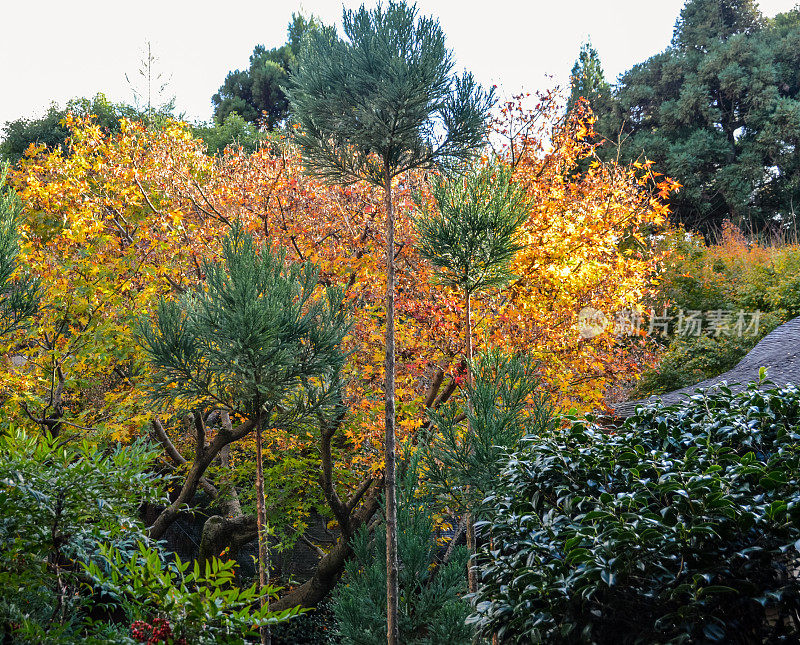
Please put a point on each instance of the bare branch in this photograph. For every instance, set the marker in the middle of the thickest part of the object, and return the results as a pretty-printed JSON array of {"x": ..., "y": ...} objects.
[
  {"x": 356, "y": 498},
  {"x": 436, "y": 384},
  {"x": 219, "y": 215},
  {"x": 176, "y": 456},
  {"x": 146, "y": 198},
  {"x": 313, "y": 546},
  {"x": 165, "y": 441},
  {"x": 448, "y": 392},
  {"x": 462, "y": 525}
]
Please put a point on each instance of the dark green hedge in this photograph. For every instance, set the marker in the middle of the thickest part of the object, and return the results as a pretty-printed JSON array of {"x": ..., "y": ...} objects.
[{"x": 681, "y": 526}]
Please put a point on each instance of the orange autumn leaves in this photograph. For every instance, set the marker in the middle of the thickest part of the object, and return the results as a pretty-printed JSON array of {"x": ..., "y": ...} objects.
[
  {"x": 107, "y": 234},
  {"x": 122, "y": 220},
  {"x": 585, "y": 246}
]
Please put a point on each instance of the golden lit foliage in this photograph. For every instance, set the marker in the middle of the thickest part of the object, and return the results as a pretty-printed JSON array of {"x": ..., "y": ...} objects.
[
  {"x": 584, "y": 246},
  {"x": 122, "y": 219},
  {"x": 106, "y": 240}
]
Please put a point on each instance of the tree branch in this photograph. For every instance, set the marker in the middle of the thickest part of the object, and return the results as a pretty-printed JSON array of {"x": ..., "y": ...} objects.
[
  {"x": 165, "y": 441},
  {"x": 436, "y": 384},
  {"x": 326, "y": 476},
  {"x": 312, "y": 546},
  {"x": 176, "y": 456},
  {"x": 356, "y": 498},
  {"x": 195, "y": 474}
]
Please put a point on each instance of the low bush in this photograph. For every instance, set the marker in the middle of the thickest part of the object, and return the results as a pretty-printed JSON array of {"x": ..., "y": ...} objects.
[
  {"x": 59, "y": 502},
  {"x": 682, "y": 525},
  {"x": 171, "y": 601},
  {"x": 76, "y": 565}
]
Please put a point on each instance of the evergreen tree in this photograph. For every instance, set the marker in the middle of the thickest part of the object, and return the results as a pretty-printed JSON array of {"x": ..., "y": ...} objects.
[
  {"x": 234, "y": 131},
  {"x": 702, "y": 24},
  {"x": 431, "y": 610},
  {"x": 369, "y": 108},
  {"x": 720, "y": 112},
  {"x": 470, "y": 237},
  {"x": 589, "y": 82},
  {"x": 256, "y": 342},
  {"x": 256, "y": 94},
  {"x": 50, "y": 129},
  {"x": 469, "y": 233},
  {"x": 460, "y": 467}
]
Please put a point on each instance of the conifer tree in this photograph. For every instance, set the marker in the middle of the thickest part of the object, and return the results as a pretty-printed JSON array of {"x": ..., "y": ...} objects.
[
  {"x": 718, "y": 111},
  {"x": 432, "y": 610},
  {"x": 589, "y": 81},
  {"x": 256, "y": 342},
  {"x": 470, "y": 236},
  {"x": 376, "y": 104}
]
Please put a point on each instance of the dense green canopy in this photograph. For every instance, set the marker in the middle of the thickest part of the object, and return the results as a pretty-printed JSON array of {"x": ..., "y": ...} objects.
[
  {"x": 719, "y": 111},
  {"x": 51, "y": 130},
  {"x": 256, "y": 93}
]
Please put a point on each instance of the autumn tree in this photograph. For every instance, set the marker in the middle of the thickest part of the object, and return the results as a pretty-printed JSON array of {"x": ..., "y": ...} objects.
[
  {"x": 584, "y": 246},
  {"x": 373, "y": 106},
  {"x": 19, "y": 297},
  {"x": 104, "y": 239},
  {"x": 129, "y": 217}
]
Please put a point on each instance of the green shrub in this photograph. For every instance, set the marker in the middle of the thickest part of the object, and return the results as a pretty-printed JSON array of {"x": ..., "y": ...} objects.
[
  {"x": 193, "y": 603},
  {"x": 234, "y": 131},
  {"x": 58, "y": 503},
  {"x": 682, "y": 525}
]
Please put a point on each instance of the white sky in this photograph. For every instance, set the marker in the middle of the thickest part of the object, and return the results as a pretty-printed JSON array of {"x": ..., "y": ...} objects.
[{"x": 53, "y": 50}]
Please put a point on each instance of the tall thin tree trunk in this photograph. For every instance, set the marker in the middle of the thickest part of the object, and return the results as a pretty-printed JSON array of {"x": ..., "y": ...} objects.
[
  {"x": 472, "y": 574},
  {"x": 468, "y": 332},
  {"x": 263, "y": 537},
  {"x": 392, "y": 565}
]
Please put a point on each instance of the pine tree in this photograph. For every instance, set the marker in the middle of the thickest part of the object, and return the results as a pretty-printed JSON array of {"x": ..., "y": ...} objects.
[
  {"x": 431, "y": 610},
  {"x": 718, "y": 111},
  {"x": 502, "y": 406},
  {"x": 255, "y": 342},
  {"x": 589, "y": 81},
  {"x": 369, "y": 108},
  {"x": 256, "y": 93},
  {"x": 705, "y": 23},
  {"x": 471, "y": 237}
]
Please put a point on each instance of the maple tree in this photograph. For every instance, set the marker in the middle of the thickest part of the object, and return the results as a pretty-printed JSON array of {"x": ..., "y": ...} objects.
[
  {"x": 104, "y": 243},
  {"x": 585, "y": 245},
  {"x": 19, "y": 297}
]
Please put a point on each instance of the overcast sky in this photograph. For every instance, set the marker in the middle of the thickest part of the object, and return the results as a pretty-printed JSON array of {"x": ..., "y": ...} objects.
[{"x": 53, "y": 50}]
